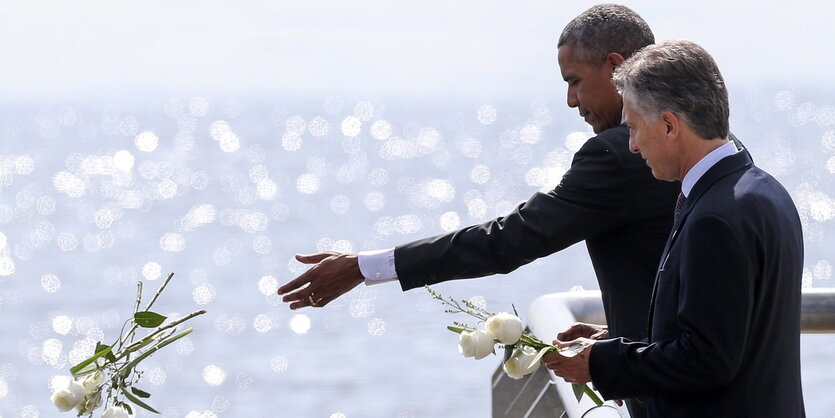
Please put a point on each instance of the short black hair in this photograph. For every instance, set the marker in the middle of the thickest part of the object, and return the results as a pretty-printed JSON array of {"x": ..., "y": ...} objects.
[{"x": 604, "y": 29}]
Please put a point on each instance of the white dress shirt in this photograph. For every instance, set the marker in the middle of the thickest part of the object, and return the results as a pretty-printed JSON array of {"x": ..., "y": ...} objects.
[{"x": 701, "y": 167}]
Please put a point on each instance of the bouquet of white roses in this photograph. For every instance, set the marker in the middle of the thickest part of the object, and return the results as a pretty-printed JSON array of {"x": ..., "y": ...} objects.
[
  {"x": 110, "y": 376},
  {"x": 523, "y": 351}
]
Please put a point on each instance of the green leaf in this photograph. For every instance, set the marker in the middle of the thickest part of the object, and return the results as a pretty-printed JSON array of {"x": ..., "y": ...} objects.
[
  {"x": 148, "y": 319},
  {"x": 578, "y": 390},
  {"x": 82, "y": 368},
  {"x": 508, "y": 351},
  {"x": 139, "y": 392},
  {"x": 109, "y": 355},
  {"x": 541, "y": 353},
  {"x": 138, "y": 402},
  {"x": 591, "y": 394},
  {"x": 456, "y": 330}
]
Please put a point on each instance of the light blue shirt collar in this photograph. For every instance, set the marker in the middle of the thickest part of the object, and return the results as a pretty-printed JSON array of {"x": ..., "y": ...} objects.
[{"x": 705, "y": 164}]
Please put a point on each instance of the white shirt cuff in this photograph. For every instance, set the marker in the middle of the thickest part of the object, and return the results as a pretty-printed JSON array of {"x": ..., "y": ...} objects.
[{"x": 377, "y": 266}]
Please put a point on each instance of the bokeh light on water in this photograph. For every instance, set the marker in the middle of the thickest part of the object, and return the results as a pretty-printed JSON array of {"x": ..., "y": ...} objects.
[{"x": 225, "y": 192}]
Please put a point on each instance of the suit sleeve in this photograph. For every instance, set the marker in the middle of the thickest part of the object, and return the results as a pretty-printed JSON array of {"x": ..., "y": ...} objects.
[
  {"x": 588, "y": 200},
  {"x": 715, "y": 300}
]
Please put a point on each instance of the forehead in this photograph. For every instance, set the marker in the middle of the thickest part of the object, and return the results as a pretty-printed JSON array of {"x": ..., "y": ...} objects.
[
  {"x": 629, "y": 110},
  {"x": 572, "y": 64}
]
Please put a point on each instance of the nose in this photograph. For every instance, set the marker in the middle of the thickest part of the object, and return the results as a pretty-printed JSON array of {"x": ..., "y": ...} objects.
[
  {"x": 633, "y": 146},
  {"x": 572, "y": 98}
]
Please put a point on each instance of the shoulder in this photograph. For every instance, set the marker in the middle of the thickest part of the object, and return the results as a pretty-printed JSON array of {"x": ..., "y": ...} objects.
[{"x": 613, "y": 140}]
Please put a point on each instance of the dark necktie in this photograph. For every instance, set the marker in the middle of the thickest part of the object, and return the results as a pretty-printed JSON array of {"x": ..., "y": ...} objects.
[{"x": 679, "y": 204}]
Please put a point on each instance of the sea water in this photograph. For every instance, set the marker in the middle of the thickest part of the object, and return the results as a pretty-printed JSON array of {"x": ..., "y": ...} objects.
[{"x": 97, "y": 196}]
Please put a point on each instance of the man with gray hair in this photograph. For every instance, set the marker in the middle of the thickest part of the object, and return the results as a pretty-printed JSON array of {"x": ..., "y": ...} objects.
[{"x": 724, "y": 338}]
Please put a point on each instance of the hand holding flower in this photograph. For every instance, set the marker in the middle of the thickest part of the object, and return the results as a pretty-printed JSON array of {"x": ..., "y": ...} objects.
[
  {"x": 582, "y": 330},
  {"x": 573, "y": 367}
]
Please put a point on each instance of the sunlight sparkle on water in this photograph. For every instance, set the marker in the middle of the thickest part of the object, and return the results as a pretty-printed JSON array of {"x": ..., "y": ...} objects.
[
  {"x": 351, "y": 126},
  {"x": 823, "y": 270},
  {"x": 376, "y": 327},
  {"x": 7, "y": 267},
  {"x": 151, "y": 270},
  {"x": 267, "y": 285},
  {"x": 156, "y": 376},
  {"x": 123, "y": 160},
  {"x": 262, "y": 323},
  {"x": 66, "y": 241},
  {"x": 50, "y": 283},
  {"x": 300, "y": 324},
  {"x": 146, "y": 141},
  {"x": 61, "y": 324},
  {"x": 69, "y": 184},
  {"x": 450, "y": 221},
  {"x": 204, "y": 294},
  {"x": 198, "y": 216},
  {"x": 530, "y": 134},
  {"x": 480, "y": 174},
  {"x": 364, "y": 111},
  {"x": 307, "y": 183},
  {"x": 172, "y": 242},
  {"x": 318, "y": 126},
  {"x": 51, "y": 351},
  {"x": 279, "y": 364},
  {"x": 214, "y": 375},
  {"x": 291, "y": 141},
  {"x": 381, "y": 130},
  {"x": 486, "y": 114},
  {"x": 575, "y": 140}
]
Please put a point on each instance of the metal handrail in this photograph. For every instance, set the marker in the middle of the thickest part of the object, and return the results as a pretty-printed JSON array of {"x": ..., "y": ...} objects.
[{"x": 553, "y": 313}]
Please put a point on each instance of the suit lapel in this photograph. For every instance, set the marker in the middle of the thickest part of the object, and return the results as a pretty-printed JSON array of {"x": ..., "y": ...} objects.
[{"x": 719, "y": 170}]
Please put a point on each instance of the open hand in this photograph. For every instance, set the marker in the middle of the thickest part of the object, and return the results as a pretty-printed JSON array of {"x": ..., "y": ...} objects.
[{"x": 332, "y": 275}]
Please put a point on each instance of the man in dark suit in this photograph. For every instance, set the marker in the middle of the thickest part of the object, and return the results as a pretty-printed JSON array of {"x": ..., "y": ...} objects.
[
  {"x": 724, "y": 337},
  {"x": 608, "y": 198}
]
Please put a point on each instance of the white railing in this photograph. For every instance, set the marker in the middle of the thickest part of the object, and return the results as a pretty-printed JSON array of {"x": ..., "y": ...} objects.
[{"x": 553, "y": 313}]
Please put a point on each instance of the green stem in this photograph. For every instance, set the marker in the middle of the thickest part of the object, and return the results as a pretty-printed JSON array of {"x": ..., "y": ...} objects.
[
  {"x": 587, "y": 390},
  {"x": 150, "y": 337},
  {"x": 124, "y": 370}
]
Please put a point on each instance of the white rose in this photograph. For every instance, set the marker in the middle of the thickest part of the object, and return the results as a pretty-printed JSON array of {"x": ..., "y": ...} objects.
[
  {"x": 521, "y": 362},
  {"x": 68, "y": 397},
  {"x": 116, "y": 412},
  {"x": 505, "y": 327},
  {"x": 476, "y": 344}
]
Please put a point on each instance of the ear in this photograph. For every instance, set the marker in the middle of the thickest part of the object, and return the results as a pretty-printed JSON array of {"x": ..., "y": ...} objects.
[
  {"x": 614, "y": 59},
  {"x": 672, "y": 122}
]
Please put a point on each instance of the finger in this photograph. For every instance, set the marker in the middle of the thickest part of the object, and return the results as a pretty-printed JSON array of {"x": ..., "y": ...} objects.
[
  {"x": 305, "y": 299},
  {"x": 312, "y": 258},
  {"x": 618, "y": 402},
  {"x": 297, "y": 284}
]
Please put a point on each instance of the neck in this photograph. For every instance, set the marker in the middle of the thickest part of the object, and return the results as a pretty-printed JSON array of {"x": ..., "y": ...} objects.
[{"x": 696, "y": 149}]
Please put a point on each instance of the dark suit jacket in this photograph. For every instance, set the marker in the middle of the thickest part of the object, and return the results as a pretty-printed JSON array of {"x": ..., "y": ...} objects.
[
  {"x": 725, "y": 322},
  {"x": 608, "y": 198}
]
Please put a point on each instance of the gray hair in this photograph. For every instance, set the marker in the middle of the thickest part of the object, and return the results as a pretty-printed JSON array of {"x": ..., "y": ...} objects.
[
  {"x": 680, "y": 77},
  {"x": 604, "y": 29}
]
